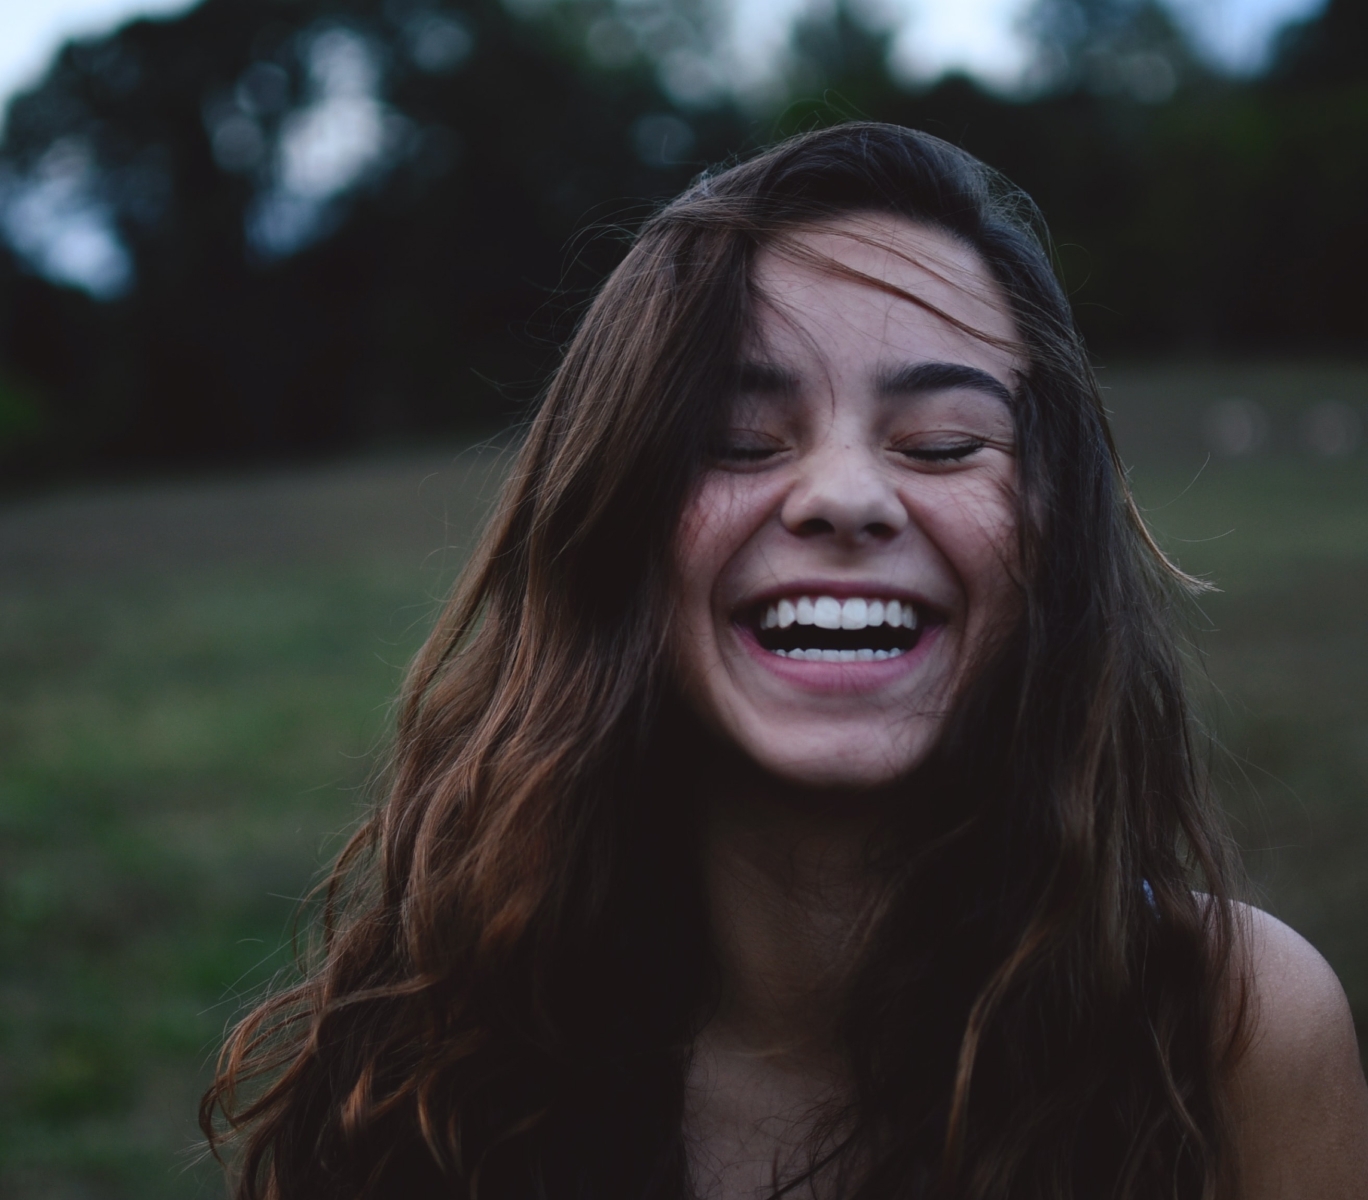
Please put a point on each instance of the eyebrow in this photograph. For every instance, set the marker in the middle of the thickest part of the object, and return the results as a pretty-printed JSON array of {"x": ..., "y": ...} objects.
[
  {"x": 941, "y": 377},
  {"x": 765, "y": 378}
]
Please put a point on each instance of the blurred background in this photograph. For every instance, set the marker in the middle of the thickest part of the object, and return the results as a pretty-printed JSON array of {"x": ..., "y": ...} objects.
[{"x": 277, "y": 276}]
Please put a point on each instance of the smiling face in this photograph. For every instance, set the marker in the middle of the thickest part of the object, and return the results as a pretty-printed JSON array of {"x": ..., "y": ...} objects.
[{"x": 849, "y": 551}]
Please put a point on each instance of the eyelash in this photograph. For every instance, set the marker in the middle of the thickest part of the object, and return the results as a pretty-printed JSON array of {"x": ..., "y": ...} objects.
[
  {"x": 744, "y": 450},
  {"x": 929, "y": 454},
  {"x": 956, "y": 453},
  {"x": 746, "y": 454}
]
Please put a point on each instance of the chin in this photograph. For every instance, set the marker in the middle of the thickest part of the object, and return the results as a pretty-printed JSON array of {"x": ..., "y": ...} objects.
[{"x": 837, "y": 765}]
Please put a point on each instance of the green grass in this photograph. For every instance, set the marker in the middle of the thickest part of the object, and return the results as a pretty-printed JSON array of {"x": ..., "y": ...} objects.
[
  {"x": 194, "y": 677},
  {"x": 1284, "y": 653},
  {"x": 194, "y": 680},
  {"x": 158, "y": 790},
  {"x": 173, "y": 775}
]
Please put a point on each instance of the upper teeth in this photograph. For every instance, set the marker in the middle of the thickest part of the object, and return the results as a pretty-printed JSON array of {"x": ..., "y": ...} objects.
[{"x": 826, "y": 612}]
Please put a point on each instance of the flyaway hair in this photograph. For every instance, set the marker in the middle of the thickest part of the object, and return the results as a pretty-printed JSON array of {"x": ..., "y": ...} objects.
[{"x": 512, "y": 961}]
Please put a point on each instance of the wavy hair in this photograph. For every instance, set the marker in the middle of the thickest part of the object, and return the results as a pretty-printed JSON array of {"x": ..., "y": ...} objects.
[{"x": 512, "y": 960}]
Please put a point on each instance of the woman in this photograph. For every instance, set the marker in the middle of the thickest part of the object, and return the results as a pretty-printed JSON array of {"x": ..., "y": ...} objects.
[{"x": 798, "y": 793}]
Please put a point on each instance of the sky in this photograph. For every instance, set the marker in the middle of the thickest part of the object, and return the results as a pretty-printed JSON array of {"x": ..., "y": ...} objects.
[
  {"x": 31, "y": 31},
  {"x": 59, "y": 223},
  {"x": 976, "y": 35}
]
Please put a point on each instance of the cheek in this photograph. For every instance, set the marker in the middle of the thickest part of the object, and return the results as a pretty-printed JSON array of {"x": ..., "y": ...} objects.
[
  {"x": 715, "y": 526},
  {"x": 993, "y": 572},
  {"x": 700, "y": 555},
  {"x": 707, "y": 537},
  {"x": 696, "y": 546},
  {"x": 977, "y": 531}
]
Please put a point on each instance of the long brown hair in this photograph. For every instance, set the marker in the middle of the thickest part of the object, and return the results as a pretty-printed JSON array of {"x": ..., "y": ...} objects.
[{"x": 512, "y": 961}]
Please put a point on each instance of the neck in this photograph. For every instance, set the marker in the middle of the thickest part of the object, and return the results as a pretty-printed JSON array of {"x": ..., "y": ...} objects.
[{"x": 789, "y": 898}]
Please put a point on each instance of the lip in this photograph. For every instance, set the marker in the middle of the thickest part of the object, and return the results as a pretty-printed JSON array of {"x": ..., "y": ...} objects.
[{"x": 847, "y": 678}]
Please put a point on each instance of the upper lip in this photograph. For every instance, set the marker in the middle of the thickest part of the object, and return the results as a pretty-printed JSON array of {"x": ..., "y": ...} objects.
[{"x": 841, "y": 590}]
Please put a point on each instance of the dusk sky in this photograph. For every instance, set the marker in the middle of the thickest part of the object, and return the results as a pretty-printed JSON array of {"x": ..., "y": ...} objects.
[{"x": 977, "y": 35}]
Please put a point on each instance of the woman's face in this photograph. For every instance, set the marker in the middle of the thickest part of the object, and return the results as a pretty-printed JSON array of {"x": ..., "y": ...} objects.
[{"x": 851, "y": 547}]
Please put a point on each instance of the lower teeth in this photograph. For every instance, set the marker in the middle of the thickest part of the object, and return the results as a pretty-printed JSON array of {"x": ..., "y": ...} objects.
[{"x": 839, "y": 655}]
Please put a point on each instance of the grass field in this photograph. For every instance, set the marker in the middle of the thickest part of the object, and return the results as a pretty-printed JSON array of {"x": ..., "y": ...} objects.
[{"x": 194, "y": 676}]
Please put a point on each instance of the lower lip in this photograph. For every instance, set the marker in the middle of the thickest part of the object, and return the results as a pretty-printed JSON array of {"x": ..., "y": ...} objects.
[{"x": 840, "y": 676}]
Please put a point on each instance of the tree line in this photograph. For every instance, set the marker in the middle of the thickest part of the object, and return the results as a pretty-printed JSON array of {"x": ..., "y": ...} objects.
[{"x": 282, "y": 227}]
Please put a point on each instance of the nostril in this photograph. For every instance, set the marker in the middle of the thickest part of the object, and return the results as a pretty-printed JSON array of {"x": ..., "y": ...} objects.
[{"x": 813, "y": 526}]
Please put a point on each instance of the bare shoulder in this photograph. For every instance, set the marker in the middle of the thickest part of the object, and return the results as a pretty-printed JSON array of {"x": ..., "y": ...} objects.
[{"x": 1300, "y": 1100}]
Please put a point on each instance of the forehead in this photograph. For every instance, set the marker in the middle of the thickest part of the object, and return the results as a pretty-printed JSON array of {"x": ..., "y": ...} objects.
[{"x": 877, "y": 283}]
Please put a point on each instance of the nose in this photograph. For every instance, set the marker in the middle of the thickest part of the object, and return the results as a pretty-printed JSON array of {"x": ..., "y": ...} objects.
[{"x": 842, "y": 491}]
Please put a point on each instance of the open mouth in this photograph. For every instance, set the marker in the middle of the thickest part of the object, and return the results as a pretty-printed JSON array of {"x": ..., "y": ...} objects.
[{"x": 825, "y": 629}]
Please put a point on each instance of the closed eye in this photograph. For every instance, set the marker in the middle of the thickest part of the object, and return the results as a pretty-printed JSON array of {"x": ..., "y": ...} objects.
[
  {"x": 950, "y": 452},
  {"x": 746, "y": 454},
  {"x": 745, "y": 446}
]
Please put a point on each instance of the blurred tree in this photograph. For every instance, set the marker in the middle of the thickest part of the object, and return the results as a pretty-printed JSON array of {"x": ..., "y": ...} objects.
[
  {"x": 1329, "y": 48},
  {"x": 278, "y": 226},
  {"x": 316, "y": 221},
  {"x": 1110, "y": 48},
  {"x": 1211, "y": 214}
]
